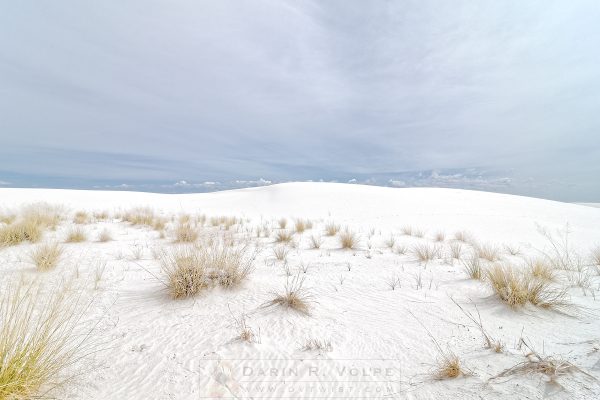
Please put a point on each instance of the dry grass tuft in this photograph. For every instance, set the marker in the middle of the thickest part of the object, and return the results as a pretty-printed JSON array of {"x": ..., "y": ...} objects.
[
  {"x": 348, "y": 239},
  {"x": 448, "y": 366},
  {"x": 281, "y": 252},
  {"x": 513, "y": 250},
  {"x": 283, "y": 236},
  {"x": 46, "y": 256},
  {"x": 596, "y": 256},
  {"x": 456, "y": 249},
  {"x": 331, "y": 229},
  {"x": 317, "y": 345},
  {"x": 139, "y": 216},
  {"x": 473, "y": 268},
  {"x": 316, "y": 241},
  {"x": 7, "y": 218},
  {"x": 517, "y": 288},
  {"x": 463, "y": 236},
  {"x": 294, "y": 297},
  {"x": 81, "y": 217},
  {"x": 41, "y": 340},
  {"x": 439, "y": 237},
  {"x": 541, "y": 269},
  {"x": 185, "y": 233},
  {"x": 18, "y": 232},
  {"x": 191, "y": 269},
  {"x": 300, "y": 225},
  {"x": 76, "y": 235},
  {"x": 390, "y": 242},
  {"x": 105, "y": 236},
  {"x": 488, "y": 252},
  {"x": 282, "y": 222},
  {"x": 425, "y": 252}
]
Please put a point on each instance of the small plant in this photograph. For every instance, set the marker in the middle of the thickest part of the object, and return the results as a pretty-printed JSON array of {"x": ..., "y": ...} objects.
[
  {"x": 185, "y": 271},
  {"x": 18, "y": 232},
  {"x": 99, "y": 273},
  {"x": 393, "y": 281},
  {"x": 76, "y": 235},
  {"x": 317, "y": 345},
  {"x": 425, "y": 252},
  {"x": 316, "y": 242},
  {"x": 139, "y": 216},
  {"x": 456, "y": 249},
  {"x": 46, "y": 256},
  {"x": 185, "y": 233},
  {"x": 294, "y": 297},
  {"x": 407, "y": 230},
  {"x": 283, "y": 236},
  {"x": 401, "y": 249},
  {"x": 81, "y": 217},
  {"x": 439, "y": 236},
  {"x": 101, "y": 215},
  {"x": 418, "y": 233},
  {"x": 473, "y": 268},
  {"x": 331, "y": 229},
  {"x": 448, "y": 365},
  {"x": 463, "y": 236},
  {"x": 539, "y": 268},
  {"x": 282, "y": 222},
  {"x": 390, "y": 242},
  {"x": 348, "y": 239},
  {"x": 245, "y": 332},
  {"x": 280, "y": 252},
  {"x": 512, "y": 249},
  {"x": 105, "y": 236},
  {"x": 488, "y": 252},
  {"x": 301, "y": 225}
]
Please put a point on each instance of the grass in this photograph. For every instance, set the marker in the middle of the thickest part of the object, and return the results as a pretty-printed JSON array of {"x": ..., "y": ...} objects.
[
  {"x": 19, "y": 232},
  {"x": 185, "y": 233},
  {"x": 7, "y": 218},
  {"x": 81, "y": 217},
  {"x": 319, "y": 345},
  {"x": 463, "y": 236},
  {"x": 191, "y": 269},
  {"x": 105, "y": 236},
  {"x": 596, "y": 256},
  {"x": 541, "y": 269},
  {"x": 425, "y": 252},
  {"x": 331, "y": 229},
  {"x": 76, "y": 235},
  {"x": 348, "y": 239},
  {"x": 46, "y": 256},
  {"x": 517, "y": 288},
  {"x": 316, "y": 242},
  {"x": 300, "y": 225},
  {"x": 139, "y": 216},
  {"x": 280, "y": 252},
  {"x": 488, "y": 252},
  {"x": 283, "y": 236},
  {"x": 40, "y": 341},
  {"x": 390, "y": 242},
  {"x": 456, "y": 249},
  {"x": 282, "y": 222},
  {"x": 473, "y": 268},
  {"x": 439, "y": 237},
  {"x": 293, "y": 297}
]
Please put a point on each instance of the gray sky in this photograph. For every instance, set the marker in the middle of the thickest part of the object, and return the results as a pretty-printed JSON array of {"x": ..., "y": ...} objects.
[{"x": 497, "y": 95}]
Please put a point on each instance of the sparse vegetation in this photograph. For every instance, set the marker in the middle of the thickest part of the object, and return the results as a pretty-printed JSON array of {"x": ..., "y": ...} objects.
[
  {"x": 40, "y": 341},
  {"x": 81, "y": 217},
  {"x": 76, "y": 235},
  {"x": 280, "y": 252},
  {"x": 317, "y": 345},
  {"x": 425, "y": 252},
  {"x": 439, "y": 237},
  {"x": 282, "y": 222},
  {"x": 300, "y": 225},
  {"x": 463, "y": 236},
  {"x": 456, "y": 249},
  {"x": 541, "y": 269},
  {"x": 331, "y": 229},
  {"x": 185, "y": 233},
  {"x": 105, "y": 236},
  {"x": 348, "y": 239},
  {"x": 294, "y": 297},
  {"x": 46, "y": 256},
  {"x": 283, "y": 236},
  {"x": 316, "y": 242},
  {"x": 473, "y": 268},
  {"x": 488, "y": 252}
]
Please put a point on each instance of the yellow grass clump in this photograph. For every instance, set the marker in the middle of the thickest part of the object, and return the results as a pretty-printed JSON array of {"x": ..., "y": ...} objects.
[
  {"x": 105, "y": 236},
  {"x": 185, "y": 233},
  {"x": 81, "y": 217},
  {"x": 348, "y": 239},
  {"x": 294, "y": 297},
  {"x": 283, "y": 236},
  {"x": 76, "y": 235},
  {"x": 331, "y": 229},
  {"x": 46, "y": 256},
  {"x": 41, "y": 340}
]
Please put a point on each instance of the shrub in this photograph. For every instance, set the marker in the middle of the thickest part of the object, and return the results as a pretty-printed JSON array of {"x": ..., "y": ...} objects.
[
  {"x": 280, "y": 252},
  {"x": 456, "y": 250},
  {"x": 46, "y": 256}
]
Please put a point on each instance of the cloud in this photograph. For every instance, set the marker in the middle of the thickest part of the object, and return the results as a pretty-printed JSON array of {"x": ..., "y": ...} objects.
[{"x": 222, "y": 91}]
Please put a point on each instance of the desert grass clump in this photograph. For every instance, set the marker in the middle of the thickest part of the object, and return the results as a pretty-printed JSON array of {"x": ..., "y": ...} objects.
[
  {"x": 192, "y": 269},
  {"x": 316, "y": 241},
  {"x": 348, "y": 239},
  {"x": 105, "y": 236},
  {"x": 595, "y": 256},
  {"x": 7, "y": 218},
  {"x": 319, "y": 345},
  {"x": 245, "y": 332},
  {"x": 81, "y": 217},
  {"x": 439, "y": 236},
  {"x": 294, "y": 297},
  {"x": 448, "y": 366},
  {"x": 300, "y": 225},
  {"x": 517, "y": 288},
  {"x": 513, "y": 250},
  {"x": 282, "y": 222},
  {"x": 331, "y": 229},
  {"x": 283, "y": 236},
  {"x": 185, "y": 233},
  {"x": 139, "y": 216},
  {"x": 488, "y": 252},
  {"x": 541, "y": 269},
  {"x": 101, "y": 215},
  {"x": 463, "y": 236},
  {"x": 18, "y": 232},
  {"x": 42, "y": 339},
  {"x": 456, "y": 250},
  {"x": 280, "y": 253},
  {"x": 46, "y": 256},
  {"x": 390, "y": 242},
  {"x": 76, "y": 235},
  {"x": 473, "y": 268},
  {"x": 425, "y": 252}
]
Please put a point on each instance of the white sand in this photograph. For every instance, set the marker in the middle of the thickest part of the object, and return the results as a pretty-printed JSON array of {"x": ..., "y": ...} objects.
[{"x": 160, "y": 348}]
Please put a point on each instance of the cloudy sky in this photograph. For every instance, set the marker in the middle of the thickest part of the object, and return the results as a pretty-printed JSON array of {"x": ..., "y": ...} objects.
[{"x": 187, "y": 94}]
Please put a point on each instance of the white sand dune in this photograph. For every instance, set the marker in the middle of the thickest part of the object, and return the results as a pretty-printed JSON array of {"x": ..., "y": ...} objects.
[{"x": 159, "y": 348}]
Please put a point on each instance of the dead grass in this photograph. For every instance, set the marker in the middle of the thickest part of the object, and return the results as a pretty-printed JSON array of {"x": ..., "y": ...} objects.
[
  {"x": 316, "y": 241},
  {"x": 186, "y": 233},
  {"x": 456, "y": 250},
  {"x": 294, "y": 297},
  {"x": 283, "y": 236},
  {"x": 282, "y": 222},
  {"x": 320, "y": 345},
  {"x": 139, "y": 216},
  {"x": 81, "y": 217},
  {"x": 348, "y": 239},
  {"x": 46, "y": 256},
  {"x": 76, "y": 235},
  {"x": 488, "y": 252},
  {"x": 473, "y": 268},
  {"x": 425, "y": 252},
  {"x": 463, "y": 236},
  {"x": 18, "y": 232},
  {"x": 390, "y": 242},
  {"x": 595, "y": 255},
  {"x": 191, "y": 269},
  {"x": 300, "y": 225},
  {"x": 331, "y": 229},
  {"x": 448, "y": 366},
  {"x": 439, "y": 237},
  {"x": 513, "y": 250},
  {"x": 7, "y": 218},
  {"x": 105, "y": 236},
  {"x": 281, "y": 252},
  {"x": 541, "y": 269},
  {"x": 490, "y": 342},
  {"x": 517, "y": 288},
  {"x": 41, "y": 340}
]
